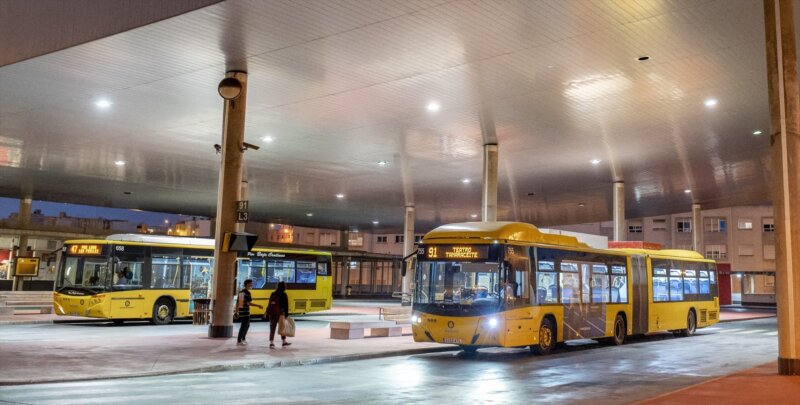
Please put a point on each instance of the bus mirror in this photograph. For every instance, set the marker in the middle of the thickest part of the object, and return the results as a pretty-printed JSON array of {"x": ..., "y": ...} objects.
[{"x": 238, "y": 242}]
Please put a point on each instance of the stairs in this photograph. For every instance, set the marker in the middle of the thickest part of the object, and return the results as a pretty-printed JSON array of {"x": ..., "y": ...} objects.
[{"x": 26, "y": 302}]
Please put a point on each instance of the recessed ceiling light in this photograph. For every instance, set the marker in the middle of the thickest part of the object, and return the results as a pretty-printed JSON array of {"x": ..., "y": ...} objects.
[
  {"x": 595, "y": 161},
  {"x": 383, "y": 163},
  {"x": 710, "y": 102},
  {"x": 581, "y": 204},
  {"x": 433, "y": 106},
  {"x": 309, "y": 214},
  {"x": 340, "y": 196},
  {"x": 474, "y": 215},
  {"x": 465, "y": 181},
  {"x": 687, "y": 191},
  {"x": 103, "y": 103},
  {"x": 531, "y": 193},
  {"x": 120, "y": 163},
  {"x": 375, "y": 222},
  {"x": 643, "y": 58},
  {"x": 757, "y": 132},
  {"x": 267, "y": 138},
  {"x": 127, "y": 192}
]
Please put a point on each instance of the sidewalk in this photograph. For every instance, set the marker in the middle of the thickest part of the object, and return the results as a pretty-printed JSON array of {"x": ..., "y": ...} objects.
[{"x": 759, "y": 385}]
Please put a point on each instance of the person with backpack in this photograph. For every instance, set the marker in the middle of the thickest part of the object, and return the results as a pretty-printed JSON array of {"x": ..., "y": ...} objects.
[
  {"x": 278, "y": 310},
  {"x": 243, "y": 305}
]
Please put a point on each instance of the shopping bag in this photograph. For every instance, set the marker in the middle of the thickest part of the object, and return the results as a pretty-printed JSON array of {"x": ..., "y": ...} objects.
[
  {"x": 282, "y": 326},
  {"x": 288, "y": 327}
]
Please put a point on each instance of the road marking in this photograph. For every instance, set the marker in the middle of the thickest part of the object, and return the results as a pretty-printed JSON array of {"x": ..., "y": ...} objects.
[
  {"x": 729, "y": 330},
  {"x": 747, "y": 332},
  {"x": 775, "y": 333}
]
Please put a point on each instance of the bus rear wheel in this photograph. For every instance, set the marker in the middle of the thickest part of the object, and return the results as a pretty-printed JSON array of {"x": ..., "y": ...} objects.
[
  {"x": 163, "y": 312},
  {"x": 691, "y": 325},
  {"x": 547, "y": 338},
  {"x": 619, "y": 330}
]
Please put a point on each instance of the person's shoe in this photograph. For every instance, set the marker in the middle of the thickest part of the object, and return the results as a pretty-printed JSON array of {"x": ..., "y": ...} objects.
[
  {"x": 240, "y": 343},
  {"x": 271, "y": 345},
  {"x": 244, "y": 342},
  {"x": 285, "y": 343}
]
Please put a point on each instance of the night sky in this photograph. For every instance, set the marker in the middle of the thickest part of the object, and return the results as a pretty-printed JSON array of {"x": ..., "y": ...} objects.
[{"x": 10, "y": 205}]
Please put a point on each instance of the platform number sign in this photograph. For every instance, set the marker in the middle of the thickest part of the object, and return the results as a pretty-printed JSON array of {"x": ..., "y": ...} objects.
[{"x": 241, "y": 210}]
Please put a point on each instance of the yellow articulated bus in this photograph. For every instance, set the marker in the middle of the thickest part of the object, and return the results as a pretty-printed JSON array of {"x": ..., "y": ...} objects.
[
  {"x": 128, "y": 277},
  {"x": 508, "y": 284}
]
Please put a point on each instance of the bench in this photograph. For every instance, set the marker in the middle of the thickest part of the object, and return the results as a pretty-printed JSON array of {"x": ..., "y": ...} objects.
[{"x": 355, "y": 329}]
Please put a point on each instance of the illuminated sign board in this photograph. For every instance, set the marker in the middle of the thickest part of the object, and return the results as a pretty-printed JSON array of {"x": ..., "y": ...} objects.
[
  {"x": 27, "y": 266},
  {"x": 85, "y": 250},
  {"x": 456, "y": 252}
]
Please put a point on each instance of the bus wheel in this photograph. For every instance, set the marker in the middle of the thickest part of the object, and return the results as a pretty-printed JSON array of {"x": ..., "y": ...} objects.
[
  {"x": 691, "y": 325},
  {"x": 163, "y": 312},
  {"x": 619, "y": 330},
  {"x": 469, "y": 350},
  {"x": 547, "y": 338}
]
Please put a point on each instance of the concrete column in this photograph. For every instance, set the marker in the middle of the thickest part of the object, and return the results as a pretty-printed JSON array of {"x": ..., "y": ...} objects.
[
  {"x": 620, "y": 232},
  {"x": 490, "y": 162},
  {"x": 784, "y": 108},
  {"x": 408, "y": 247},
  {"x": 23, "y": 224},
  {"x": 230, "y": 180},
  {"x": 697, "y": 228}
]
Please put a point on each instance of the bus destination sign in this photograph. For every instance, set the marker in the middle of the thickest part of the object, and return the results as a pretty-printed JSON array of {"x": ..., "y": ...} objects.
[
  {"x": 456, "y": 252},
  {"x": 85, "y": 250}
]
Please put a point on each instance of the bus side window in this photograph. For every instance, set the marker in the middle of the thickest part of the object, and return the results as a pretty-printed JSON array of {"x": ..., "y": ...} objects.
[{"x": 619, "y": 284}]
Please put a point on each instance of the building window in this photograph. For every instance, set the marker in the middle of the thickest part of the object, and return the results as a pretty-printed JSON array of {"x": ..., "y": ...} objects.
[
  {"x": 382, "y": 239},
  {"x": 745, "y": 224},
  {"x": 715, "y": 224},
  {"x": 769, "y": 252},
  {"x": 745, "y": 250},
  {"x": 635, "y": 228},
  {"x": 659, "y": 224},
  {"x": 684, "y": 225},
  {"x": 716, "y": 252},
  {"x": 417, "y": 238},
  {"x": 399, "y": 238},
  {"x": 769, "y": 225}
]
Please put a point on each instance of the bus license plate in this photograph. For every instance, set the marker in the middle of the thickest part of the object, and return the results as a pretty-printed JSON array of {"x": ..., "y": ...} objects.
[{"x": 452, "y": 340}]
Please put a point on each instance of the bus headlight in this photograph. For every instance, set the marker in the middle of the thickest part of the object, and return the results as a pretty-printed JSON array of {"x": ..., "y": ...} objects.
[
  {"x": 415, "y": 319},
  {"x": 492, "y": 323}
]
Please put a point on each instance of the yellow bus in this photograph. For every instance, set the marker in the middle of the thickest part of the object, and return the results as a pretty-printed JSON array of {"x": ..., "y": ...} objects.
[
  {"x": 128, "y": 277},
  {"x": 507, "y": 284}
]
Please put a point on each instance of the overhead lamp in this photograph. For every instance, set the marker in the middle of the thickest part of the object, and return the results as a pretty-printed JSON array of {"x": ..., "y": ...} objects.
[
  {"x": 120, "y": 163},
  {"x": 375, "y": 222},
  {"x": 757, "y": 132},
  {"x": 710, "y": 102},
  {"x": 595, "y": 161},
  {"x": 267, "y": 138},
  {"x": 474, "y": 216},
  {"x": 309, "y": 214},
  {"x": 465, "y": 181},
  {"x": 103, "y": 103},
  {"x": 433, "y": 106},
  {"x": 687, "y": 191},
  {"x": 340, "y": 196},
  {"x": 581, "y": 204},
  {"x": 383, "y": 163}
]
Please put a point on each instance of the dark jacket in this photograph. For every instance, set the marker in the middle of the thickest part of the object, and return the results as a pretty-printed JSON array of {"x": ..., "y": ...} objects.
[{"x": 278, "y": 304}]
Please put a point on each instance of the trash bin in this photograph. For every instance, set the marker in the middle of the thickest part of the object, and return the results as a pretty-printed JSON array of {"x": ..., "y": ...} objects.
[{"x": 202, "y": 311}]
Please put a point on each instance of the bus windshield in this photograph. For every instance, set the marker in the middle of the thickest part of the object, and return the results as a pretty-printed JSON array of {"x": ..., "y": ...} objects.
[
  {"x": 87, "y": 273},
  {"x": 462, "y": 283}
]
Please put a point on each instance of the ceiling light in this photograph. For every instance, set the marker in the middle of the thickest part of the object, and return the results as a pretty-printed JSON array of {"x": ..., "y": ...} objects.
[
  {"x": 267, "y": 138},
  {"x": 687, "y": 191},
  {"x": 710, "y": 102},
  {"x": 120, "y": 163},
  {"x": 383, "y": 163},
  {"x": 103, "y": 103},
  {"x": 595, "y": 161},
  {"x": 375, "y": 222},
  {"x": 310, "y": 214},
  {"x": 340, "y": 196},
  {"x": 643, "y": 58},
  {"x": 465, "y": 181},
  {"x": 127, "y": 192},
  {"x": 474, "y": 215},
  {"x": 433, "y": 106},
  {"x": 757, "y": 132},
  {"x": 581, "y": 204}
]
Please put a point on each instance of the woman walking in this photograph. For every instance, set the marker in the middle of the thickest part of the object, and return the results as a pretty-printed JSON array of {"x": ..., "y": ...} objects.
[{"x": 278, "y": 307}]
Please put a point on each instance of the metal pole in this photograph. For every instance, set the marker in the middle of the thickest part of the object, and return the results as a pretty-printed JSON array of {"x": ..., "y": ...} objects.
[
  {"x": 230, "y": 180},
  {"x": 408, "y": 247},
  {"x": 490, "y": 161},
  {"x": 619, "y": 211},
  {"x": 784, "y": 107}
]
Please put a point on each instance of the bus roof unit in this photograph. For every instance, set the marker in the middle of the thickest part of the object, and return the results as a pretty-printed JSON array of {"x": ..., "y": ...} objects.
[{"x": 488, "y": 232}]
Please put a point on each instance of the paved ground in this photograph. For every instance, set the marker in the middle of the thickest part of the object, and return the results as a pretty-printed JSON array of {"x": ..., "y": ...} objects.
[{"x": 583, "y": 373}]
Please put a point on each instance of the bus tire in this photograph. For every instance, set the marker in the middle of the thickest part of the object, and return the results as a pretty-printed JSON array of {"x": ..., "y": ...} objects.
[
  {"x": 619, "y": 331},
  {"x": 469, "y": 350},
  {"x": 163, "y": 312},
  {"x": 691, "y": 324},
  {"x": 547, "y": 338}
]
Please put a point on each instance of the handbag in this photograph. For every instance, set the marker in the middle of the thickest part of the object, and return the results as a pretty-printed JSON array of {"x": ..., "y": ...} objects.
[
  {"x": 288, "y": 327},
  {"x": 282, "y": 325}
]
